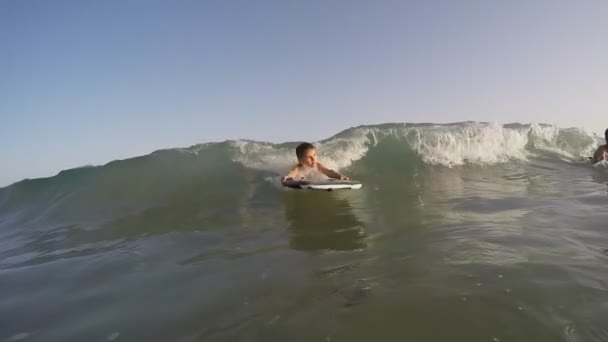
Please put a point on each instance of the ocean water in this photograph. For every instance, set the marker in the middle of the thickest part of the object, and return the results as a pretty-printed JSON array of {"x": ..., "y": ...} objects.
[{"x": 461, "y": 232}]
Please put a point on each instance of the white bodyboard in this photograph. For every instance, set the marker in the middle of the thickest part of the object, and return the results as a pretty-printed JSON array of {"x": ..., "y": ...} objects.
[
  {"x": 602, "y": 164},
  {"x": 330, "y": 184}
]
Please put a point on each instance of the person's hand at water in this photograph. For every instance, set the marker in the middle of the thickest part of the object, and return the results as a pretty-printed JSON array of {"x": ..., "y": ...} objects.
[{"x": 343, "y": 177}]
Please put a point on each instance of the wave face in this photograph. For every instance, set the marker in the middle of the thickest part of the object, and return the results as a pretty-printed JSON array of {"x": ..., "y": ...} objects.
[
  {"x": 216, "y": 168},
  {"x": 447, "y": 144},
  {"x": 468, "y": 224}
]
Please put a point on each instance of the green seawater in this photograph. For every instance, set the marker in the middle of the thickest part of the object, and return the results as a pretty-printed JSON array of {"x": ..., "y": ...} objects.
[{"x": 198, "y": 245}]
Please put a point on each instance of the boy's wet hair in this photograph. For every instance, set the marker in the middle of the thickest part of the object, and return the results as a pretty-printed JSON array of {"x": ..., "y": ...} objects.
[
  {"x": 606, "y": 135},
  {"x": 303, "y": 147}
]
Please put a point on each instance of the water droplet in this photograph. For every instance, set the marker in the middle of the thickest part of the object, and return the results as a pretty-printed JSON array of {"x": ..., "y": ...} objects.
[
  {"x": 479, "y": 284},
  {"x": 273, "y": 320},
  {"x": 570, "y": 333},
  {"x": 19, "y": 337},
  {"x": 508, "y": 290},
  {"x": 113, "y": 336},
  {"x": 520, "y": 308},
  {"x": 464, "y": 299},
  {"x": 495, "y": 339},
  {"x": 500, "y": 276}
]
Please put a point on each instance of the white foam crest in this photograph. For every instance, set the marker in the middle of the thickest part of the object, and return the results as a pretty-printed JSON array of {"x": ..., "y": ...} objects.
[
  {"x": 440, "y": 144},
  {"x": 339, "y": 152},
  {"x": 493, "y": 143},
  {"x": 571, "y": 143},
  {"x": 336, "y": 153},
  {"x": 476, "y": 143},
  {"x": 264, "y": 156}
]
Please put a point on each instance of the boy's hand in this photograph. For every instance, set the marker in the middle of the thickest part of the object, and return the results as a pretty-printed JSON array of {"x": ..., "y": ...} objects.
[
  {"x": 285, "y": 179},
  {"x": 342, "y": 177}
]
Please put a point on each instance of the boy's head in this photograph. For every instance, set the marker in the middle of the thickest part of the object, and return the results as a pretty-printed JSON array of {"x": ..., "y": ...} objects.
[
  {"x": 307, "y": 154},
  {"x": 606, "y": 136}
]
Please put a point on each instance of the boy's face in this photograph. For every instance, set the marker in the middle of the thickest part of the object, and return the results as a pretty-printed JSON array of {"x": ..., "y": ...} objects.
[{"x": 309, "y": 158}]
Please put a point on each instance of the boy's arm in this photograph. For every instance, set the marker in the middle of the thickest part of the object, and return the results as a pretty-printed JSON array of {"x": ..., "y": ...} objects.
[
  {"x": 291, "y": 174},
  {"x": 599, "y": 154},
  {"x": 331, "y": 173}
]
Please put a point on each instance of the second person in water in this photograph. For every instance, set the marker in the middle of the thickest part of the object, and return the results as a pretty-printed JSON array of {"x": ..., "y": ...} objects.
[{"x": 602, "y": 152}]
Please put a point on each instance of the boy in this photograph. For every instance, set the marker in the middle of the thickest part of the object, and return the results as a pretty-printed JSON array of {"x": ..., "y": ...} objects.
[
  {"x": 307, "y": 161},
  {"x": 602, "y": 152}
]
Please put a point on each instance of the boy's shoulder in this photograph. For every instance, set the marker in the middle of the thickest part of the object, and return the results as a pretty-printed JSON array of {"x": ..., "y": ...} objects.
[{"x": 297, "y": 166}]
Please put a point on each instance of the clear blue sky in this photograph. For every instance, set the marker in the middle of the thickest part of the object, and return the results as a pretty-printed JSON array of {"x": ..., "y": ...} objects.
[{"x": 86, "y": 82}]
